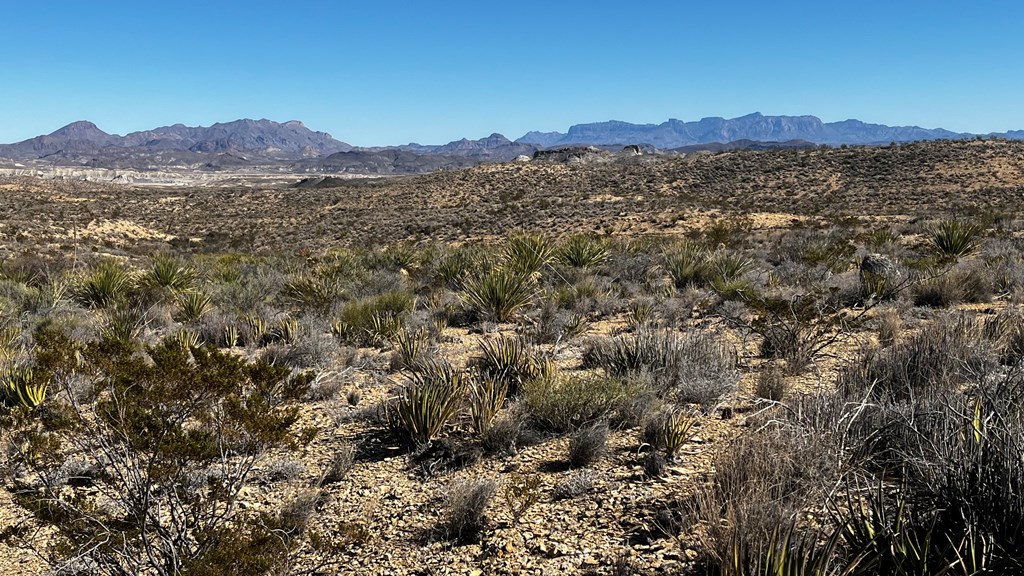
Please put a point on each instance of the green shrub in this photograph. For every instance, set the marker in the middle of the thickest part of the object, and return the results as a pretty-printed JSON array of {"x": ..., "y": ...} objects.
[
  {"x": 694, "y": 368},
  {"x": 169, "y": 274},
  {"x": 561, "y": 402},
  {"x": 371, "y": 321}
]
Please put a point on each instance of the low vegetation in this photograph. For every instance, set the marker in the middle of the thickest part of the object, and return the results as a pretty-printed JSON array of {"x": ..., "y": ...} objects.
[{"x": 823, "y": 394}]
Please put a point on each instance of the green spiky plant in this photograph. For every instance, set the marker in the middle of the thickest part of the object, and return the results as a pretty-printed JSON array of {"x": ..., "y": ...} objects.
[
  {"x": 686, "y": 263},
  {"x": 169, "y": 274},
  {"x": 499, "y": 295},
  {"x": 432, "y": 396},
  {"x": 527, "y": 254},
  {"x": 485, "y": 400},
  {"x": 108, "y": 283},
  {"x": 508, "y": 359},
  {"x": 955, "y": 238},
  {"x": 193, "y": 305},
  {"x": 676, "y": 431},
  {"x": 21, "y": 387},
  {"x": 583, "y": 251}
]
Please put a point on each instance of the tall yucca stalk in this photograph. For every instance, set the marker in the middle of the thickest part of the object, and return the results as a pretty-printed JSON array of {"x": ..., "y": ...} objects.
[
  {"x": 499, "y": 295},
  {"x": 431, "y": 398}
]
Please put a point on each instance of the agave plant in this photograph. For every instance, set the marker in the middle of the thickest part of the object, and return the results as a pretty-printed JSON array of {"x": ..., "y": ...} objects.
[
  {"x": 411, "y": 345},
  {"x": 430, "y": 399}
]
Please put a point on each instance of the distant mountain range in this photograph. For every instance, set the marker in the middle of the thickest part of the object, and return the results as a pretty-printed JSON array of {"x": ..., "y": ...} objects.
[
  {"x": 248, "y": 143},
  {"x": 756, "y": 127}
]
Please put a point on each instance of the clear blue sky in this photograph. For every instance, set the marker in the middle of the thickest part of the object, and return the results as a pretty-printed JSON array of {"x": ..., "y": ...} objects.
[{"x": 392, "y": 72}]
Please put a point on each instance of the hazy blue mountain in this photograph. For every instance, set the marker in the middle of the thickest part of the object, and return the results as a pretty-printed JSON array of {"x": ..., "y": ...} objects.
[{"x": 757, "y": 127}]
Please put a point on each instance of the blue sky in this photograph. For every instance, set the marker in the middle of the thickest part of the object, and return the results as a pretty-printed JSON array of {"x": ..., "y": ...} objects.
[{"x": 373, "y": 73}]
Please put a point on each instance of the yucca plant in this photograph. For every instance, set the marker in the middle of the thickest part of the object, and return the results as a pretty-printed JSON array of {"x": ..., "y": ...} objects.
[
  {"x": 123, "y": 323},
  {"x": 486, "y": 398},
  {"x": 311, "y": 291},
  {"x": 21, "y": 386},
  {"x": 686, "y": 263},
  {"x": 170, "y": 274},
  {"x": 411, "y": 345},
  {"x": 639, "y": 313},
  {"x": 430, "y": 399},
  {"x": 105, "y": 285},
  {"x": 955, "y": 238},
  {"x": 287, "y": 330},
  {"x": 383, "y": 328},
  {"x": 527, "y": 254},
  {"x": 187, "y": 339},
  {"x": 192, "y": 306},
  {"x": 508, "y": 359},
  {"x": 10, "y": 341},
  {"x": 728, "y": 266},
  {"x": 676, "y": 431},
  {"x": 787, "y": 553},
  {"x": 583, "y": 251},
  {"x": 500, "y": 294},
  {"x": 256, "y": 330},
  {"x": 230, "y": 335}
]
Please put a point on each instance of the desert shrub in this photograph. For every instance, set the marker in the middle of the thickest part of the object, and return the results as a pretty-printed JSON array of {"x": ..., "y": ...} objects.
[
  {"x": 560, "y": 402},
  {"x": 588, "y": 444},
  {"x": 467, "y": 504},
  {"x": 160, "y": 420},
  {"x": 576, "y": 484},
  {"x": 432, "y": 396},
  {"x": 771, "y": 383},
  {"x": 411, "y": 348},
  {"x": 504, "y": 432},
  {"x": 654, "y": 464},
  {"x": 694, "y": 367},
  {"x": 583, "y": 251},
  {"x": 520, "y": 492},
  {"x": 341, "y": 463},
  {"x": 372, "y": 321},
  {"x": 499, "y": 294},
  {"x": 944, "y": 355},
  {"x": 762, "y": 480},
  {"x": 955, "y": 238},
  {"x": 889, "y": 324}
]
